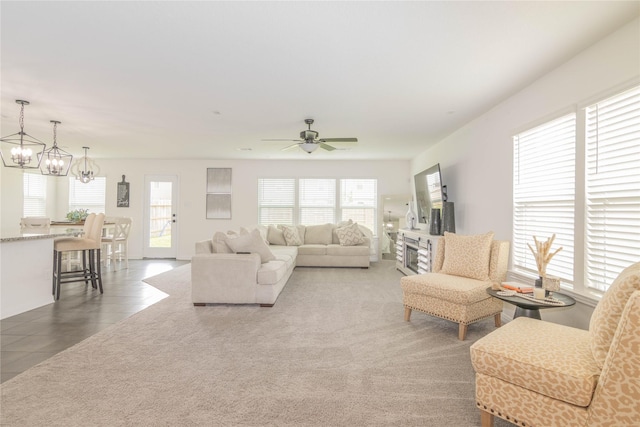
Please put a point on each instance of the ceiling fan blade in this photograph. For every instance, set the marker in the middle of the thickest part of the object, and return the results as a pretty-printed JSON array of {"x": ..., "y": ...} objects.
[
  {"x": 327, "y": 147},
  {"x": 280, "y": 140},
  {"x": 339, "y": 140},
  {"x": 289, "y": 146}
]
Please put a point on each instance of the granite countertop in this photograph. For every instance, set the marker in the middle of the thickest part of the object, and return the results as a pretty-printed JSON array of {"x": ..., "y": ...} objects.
[{"x": 17, "y": 235}]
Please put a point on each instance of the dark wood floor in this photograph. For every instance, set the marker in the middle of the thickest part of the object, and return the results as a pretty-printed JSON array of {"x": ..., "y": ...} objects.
[{"x": 31, "y": 337}]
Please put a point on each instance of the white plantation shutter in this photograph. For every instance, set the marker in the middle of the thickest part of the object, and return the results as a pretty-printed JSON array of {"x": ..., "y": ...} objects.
[
  {"x": 612, "y": 187},
  {"x": 544, "y": 193},
  {"x": 276, "y": 200},
  {"x": 88, "y": 196},
  {"x": 35, "y": 195},
  {"x": 358, "y": 201},
  {"x": 317, "y": 201}
]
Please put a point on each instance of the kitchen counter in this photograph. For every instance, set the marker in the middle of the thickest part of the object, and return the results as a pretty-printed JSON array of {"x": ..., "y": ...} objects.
[{"x": 26, "y": 268}]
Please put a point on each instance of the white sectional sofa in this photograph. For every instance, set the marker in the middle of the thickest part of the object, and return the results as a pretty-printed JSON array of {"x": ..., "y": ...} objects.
[{"x": 253, "y": 266}]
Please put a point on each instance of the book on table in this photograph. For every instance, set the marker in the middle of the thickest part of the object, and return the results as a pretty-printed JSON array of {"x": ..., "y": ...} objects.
[{"x": 518, "y": 287}]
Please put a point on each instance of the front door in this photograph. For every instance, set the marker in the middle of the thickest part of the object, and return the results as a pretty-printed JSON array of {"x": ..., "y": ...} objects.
[{"x": 160, "y": 216}]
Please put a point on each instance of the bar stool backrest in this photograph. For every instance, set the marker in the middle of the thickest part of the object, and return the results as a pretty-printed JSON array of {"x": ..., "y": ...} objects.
[
  {"x": 96, "y": 229},
  {"x": 88, "y": 223}
]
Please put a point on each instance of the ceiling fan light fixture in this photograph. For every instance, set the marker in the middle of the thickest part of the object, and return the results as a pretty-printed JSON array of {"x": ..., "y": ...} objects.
[{"x": 309, "y": 147}]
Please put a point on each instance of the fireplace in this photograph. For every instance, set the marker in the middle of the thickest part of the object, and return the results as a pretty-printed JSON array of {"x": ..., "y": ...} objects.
[{"x": 411, "y": 254}]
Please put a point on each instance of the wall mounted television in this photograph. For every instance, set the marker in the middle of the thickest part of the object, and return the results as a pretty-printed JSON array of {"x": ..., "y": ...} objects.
[{"x": 429, "y": 195}]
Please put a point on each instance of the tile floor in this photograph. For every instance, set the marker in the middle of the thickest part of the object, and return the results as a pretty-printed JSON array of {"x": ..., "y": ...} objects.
[{"x": 31, "y": 337}]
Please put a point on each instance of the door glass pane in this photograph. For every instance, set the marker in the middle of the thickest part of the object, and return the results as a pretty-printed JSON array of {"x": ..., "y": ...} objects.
[{"x": 160, "y": 215}]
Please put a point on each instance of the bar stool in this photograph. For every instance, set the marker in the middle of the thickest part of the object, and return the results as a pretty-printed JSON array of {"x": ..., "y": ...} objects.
[
  {"x": 89, "y": 245},
  {"x": 116, "y": 242}
]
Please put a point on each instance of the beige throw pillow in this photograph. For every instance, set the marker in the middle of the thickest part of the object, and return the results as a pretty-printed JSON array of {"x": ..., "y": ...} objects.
[
  {"x": 291, "y": 235},
  {"x": 251, "y": 243},
  {"x": 350, "y": 235},
  {"x": 467, "y": 256},
  {"x": 219, "y": 245},
  {"x": 275, "y": 236}
]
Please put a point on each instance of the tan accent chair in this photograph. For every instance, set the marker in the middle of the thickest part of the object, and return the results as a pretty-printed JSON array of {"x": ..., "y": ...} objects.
[
  {"x": 463, "y": 300},
  {"x": 536, "y": 373}
]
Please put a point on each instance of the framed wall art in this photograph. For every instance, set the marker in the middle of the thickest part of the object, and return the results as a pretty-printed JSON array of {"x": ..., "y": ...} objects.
[{"x": 218, "y": 193}]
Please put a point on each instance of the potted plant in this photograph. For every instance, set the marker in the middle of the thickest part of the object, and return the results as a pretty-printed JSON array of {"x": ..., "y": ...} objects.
[{"x": 78, "y": 215}]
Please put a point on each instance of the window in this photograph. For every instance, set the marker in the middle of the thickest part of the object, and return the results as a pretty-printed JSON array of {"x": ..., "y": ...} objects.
[
  {"x": 87, "y": 196},
  {"x": 544, "y": 194},
  {"x": 317, "y": 201},
  {"x": 276, "y": 201},
  {"x": 605, "y": 204},
  {"x": 311, "y": 201},
  {"x": 359, "y": 200},
  {"x": 35, "y": 195},
  {"x": 612, "y": 187}
]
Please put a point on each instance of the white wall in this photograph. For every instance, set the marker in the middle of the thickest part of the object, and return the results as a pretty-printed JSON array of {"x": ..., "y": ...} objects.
[
  {"x": 393, "y": 178},
  {"x": 476, "y": 160}
]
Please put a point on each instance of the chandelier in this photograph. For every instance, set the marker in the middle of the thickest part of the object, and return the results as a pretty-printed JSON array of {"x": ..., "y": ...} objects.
[
  {"x": 87, "y": 174},
  {"x": 56, "y": 161},
  {"x": 18, "y": 150}
]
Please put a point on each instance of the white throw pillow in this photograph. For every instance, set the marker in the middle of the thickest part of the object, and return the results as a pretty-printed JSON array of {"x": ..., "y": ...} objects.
[
  {"x": 219, "y": 245},
  {"x": 291, "y": 235},
  {"x": 350, "y": 235},
  {"x": 252, "y": 243},
  {"x": 467, "y": 256},
  {"x": 275, "y": 236}
]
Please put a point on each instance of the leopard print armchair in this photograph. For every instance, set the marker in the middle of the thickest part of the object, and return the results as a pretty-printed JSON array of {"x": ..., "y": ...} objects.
[{"x": 536, "y": 373}]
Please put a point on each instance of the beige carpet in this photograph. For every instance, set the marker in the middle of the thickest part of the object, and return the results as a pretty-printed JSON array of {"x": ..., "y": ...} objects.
[{"x": 333, "y": 351}]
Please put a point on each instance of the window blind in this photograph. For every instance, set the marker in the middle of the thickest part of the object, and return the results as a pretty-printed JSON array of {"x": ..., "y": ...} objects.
[
  {"x": 276, "y": 200},
  {"x": 544, "y": 193},
  {"x": 358, "y": 201},
  {"x": 35, "y": 195},
  {"x": 317, "y": 201},
  {"x": 88, "y": 196},
  {"x": 612, "y": 187}
]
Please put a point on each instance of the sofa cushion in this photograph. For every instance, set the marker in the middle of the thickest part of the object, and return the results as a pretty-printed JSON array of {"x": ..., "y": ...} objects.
[
  {"x": 467, "y": 256},
  {"x": 350, "y": 235},
  {"x": 547, "y": 358},
  {"x": 347, "y": 250},
  {"x": 606, "y": 315},
  {"x": 219, "y": 244},
  {"x": 310, "y": 249},
  {"x": 318, "y": 234},
  {"x": 252, "y": 243},
  {"x": 271, "y": 272},
  {"x": 275, "y": 236},
  {"x": 291, "y": 235}
]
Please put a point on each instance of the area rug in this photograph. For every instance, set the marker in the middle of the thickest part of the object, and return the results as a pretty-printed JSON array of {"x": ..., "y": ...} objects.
[{"x": 333, "y": 351}]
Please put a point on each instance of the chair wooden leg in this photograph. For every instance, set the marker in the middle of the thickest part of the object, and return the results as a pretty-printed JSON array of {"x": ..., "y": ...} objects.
[
  {"x": 98, "y": 270},
  {"x": 498, "y": 320},
  {"x": 462, "y": 331},
  {"x": 486, "y": 419},
  {"x": 407, "y": 314}
]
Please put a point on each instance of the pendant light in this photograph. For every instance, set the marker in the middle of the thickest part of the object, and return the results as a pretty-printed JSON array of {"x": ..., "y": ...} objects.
[
  {"x": 21, "y": 150},
  {"x": 56, "y": 161},
  {"x": 87, "y": 174}
]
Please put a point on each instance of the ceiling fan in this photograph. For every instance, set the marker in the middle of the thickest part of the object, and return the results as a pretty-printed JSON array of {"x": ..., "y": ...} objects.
[{"x": 309, "y": 140}]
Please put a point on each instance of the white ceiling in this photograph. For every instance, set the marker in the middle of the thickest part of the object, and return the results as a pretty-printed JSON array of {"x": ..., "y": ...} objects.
[{"x": 206, "y": 79}]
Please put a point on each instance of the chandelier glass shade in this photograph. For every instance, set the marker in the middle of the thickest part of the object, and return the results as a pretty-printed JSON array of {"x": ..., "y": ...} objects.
[
  {"x": 85, "y": 169},
  {"x": 54, "y": 160},
  {"x": 21, "y": 150}
]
